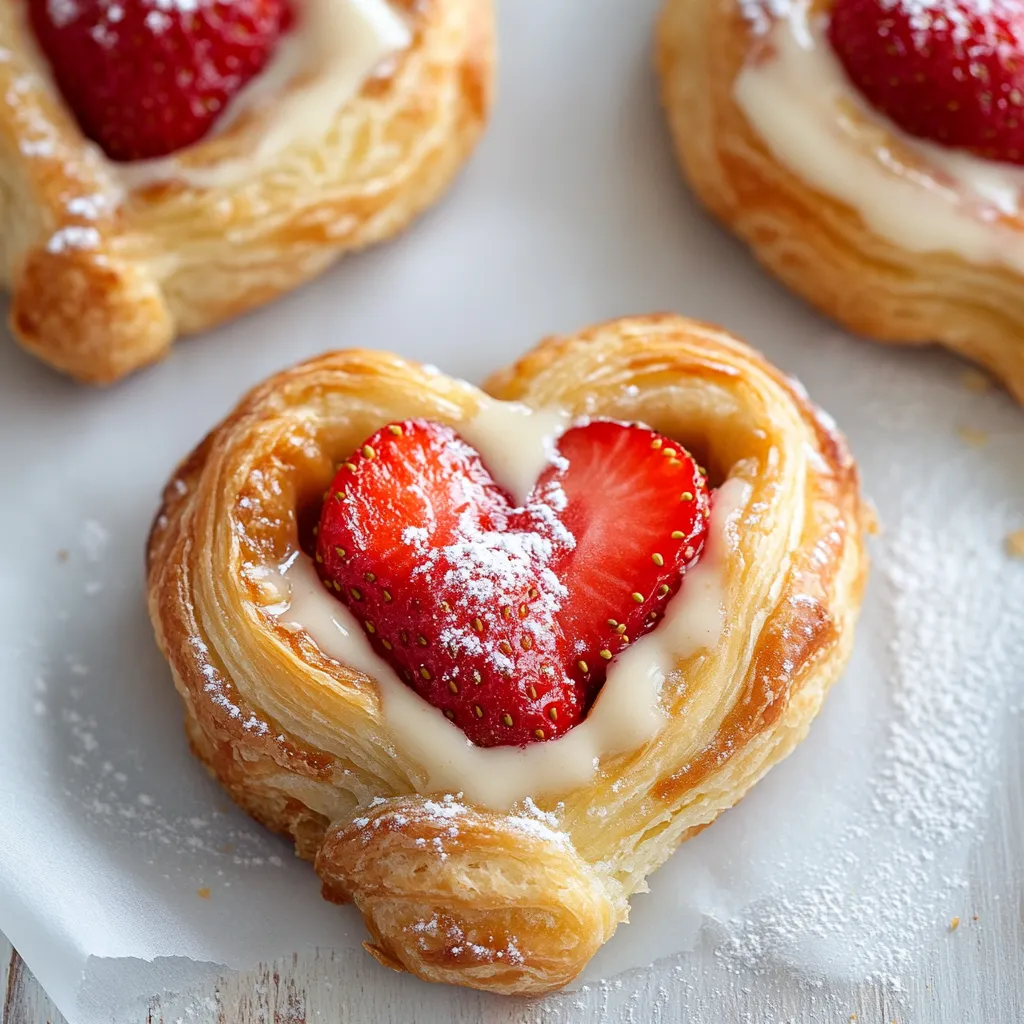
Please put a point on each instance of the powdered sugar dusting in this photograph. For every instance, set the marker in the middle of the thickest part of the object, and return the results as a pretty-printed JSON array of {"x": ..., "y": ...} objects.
[
  {"x": 891, "y": 878},
  {"x": 761, "y": 13},
  {"x": 110, "y": 13},
  {"x": 495, "y": 568},
  {"x": 216, "y": 689},
  {"x": 105, "y": 780},
  {"x": 63, "y": 12},
  {"x": 73, "y": 237}
]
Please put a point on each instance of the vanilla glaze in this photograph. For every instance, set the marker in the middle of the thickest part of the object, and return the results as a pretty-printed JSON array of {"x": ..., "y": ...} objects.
[
  {"x": 316, "y": 68},
  {"x": 627, "y": 712},
  {"x": 921, "y": 196},
  {"x": 515, "y": 442}
]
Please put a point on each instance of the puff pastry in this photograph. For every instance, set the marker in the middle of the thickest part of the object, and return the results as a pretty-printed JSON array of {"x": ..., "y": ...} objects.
[
  {"x": 511, "y": 893},
  {"x": 874, "y": 254},
  {"x": 104, "y": 276}
]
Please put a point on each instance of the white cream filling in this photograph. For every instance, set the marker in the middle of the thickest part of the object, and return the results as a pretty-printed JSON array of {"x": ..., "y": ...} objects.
[
  {"x": 515, "y": 445},
  {"x": 317, "y": 67},
  {"x": 796, "y": 95},
  {"x": 515, "y": 442}
]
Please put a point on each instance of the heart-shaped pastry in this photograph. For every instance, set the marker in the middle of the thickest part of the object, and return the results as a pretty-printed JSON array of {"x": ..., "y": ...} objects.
[{"x": 361, "y": 539}]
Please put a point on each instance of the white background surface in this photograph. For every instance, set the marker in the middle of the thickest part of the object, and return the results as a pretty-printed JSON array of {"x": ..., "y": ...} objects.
[{"x": 828, "y": 892}]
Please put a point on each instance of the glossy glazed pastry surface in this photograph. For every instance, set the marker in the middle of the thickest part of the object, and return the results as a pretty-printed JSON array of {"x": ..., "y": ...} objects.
[
  {"x": 897, "y": 237},
  {"x": 506, "y": 868},
  {"x": 109, "y": 262}
]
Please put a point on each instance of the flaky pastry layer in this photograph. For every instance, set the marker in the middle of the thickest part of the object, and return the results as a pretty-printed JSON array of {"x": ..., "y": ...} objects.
[
  {"x": 514, "y": 902},
  {"x": 103, "y": 278},
  {"x": 816, "y": 245}
]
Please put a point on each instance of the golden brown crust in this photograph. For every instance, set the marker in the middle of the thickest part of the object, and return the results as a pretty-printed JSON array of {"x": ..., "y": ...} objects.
[
  {"x": 103, "y": 280},
  {"x": 516, "y": 901},
  {"x": 817, "y": 246}
]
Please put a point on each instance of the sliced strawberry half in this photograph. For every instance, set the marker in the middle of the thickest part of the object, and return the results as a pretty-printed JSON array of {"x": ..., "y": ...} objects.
[
  {"x": 947, "y": 70},
  {"x": 506, "y": 618},
  {"x": 145, "y": 78},
  {"x": 637, "y": 505},
  {"x": 417, "y": 539}
]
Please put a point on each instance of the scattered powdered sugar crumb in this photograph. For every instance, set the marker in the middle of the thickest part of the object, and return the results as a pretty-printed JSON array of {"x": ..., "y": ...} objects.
[
  {"x": 105, "y": 791},
  {"x": 948, "y": 688},
  {"x": 548, "y": 817},
  {"x": 416, "y": 537},
  {"x": 73, "y": 237},
  {"x": 63, "y": 12},
  {"x": 157, "y": 22},
  {"x": 448, "y": 807},
  {"x": 446, "y": 812},
  {"x": 42, "y": 146},
  {"x": 90, "y": 207},
  {"x": 94, "y": 539},
  {"x": 537, "y": 829},
  {"x": 215, "y": 687},
  {"x": 485, "y": 948}
]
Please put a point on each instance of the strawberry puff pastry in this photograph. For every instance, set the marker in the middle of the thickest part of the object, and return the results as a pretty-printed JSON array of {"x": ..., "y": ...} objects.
[
  {"x": 870, "y": 153},
  {"x": 168, "y": 164},
  {"x": 488, "y": 657}
]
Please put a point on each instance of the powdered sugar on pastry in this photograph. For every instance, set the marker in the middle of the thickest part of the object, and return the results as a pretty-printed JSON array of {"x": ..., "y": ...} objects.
[
  {"x": 924, "y": 197},
  {"x": 317, "y": 68},
  {"x": 626, "y": 714}
]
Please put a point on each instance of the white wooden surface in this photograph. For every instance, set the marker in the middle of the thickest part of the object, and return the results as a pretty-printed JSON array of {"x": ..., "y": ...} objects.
[{"x": 975, "y": 976}]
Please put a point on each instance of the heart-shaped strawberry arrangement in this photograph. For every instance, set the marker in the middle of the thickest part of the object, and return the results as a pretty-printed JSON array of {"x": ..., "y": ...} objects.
[{"x": 506, "y": 617}]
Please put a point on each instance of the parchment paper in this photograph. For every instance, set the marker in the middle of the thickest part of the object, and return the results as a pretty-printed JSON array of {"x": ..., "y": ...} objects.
[{"x": 124, "y": 870}]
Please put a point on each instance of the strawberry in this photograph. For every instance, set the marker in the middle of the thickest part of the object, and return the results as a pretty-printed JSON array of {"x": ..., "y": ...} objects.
[
  {"x": 637, "y": 504},
  {"x": 148, "y": 77},
  {"x": 947, "y": 70},
  {"x": 420, "y": 543},
  {"x": 506, "y": 618}
]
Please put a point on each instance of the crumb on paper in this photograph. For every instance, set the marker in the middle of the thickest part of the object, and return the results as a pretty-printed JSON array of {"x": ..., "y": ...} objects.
[
  {"x": 954, "y": 924},
  {"x": 63, "y": 555},
  {"x": 1015, "y": 544},
  {"x": 872, "y": 522},
  {"x": 975, "y": 918},
  {"x": 976, "y": 381},
  {"x": 203, "y": 893},
  {"x": 972, "y": 436}
]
